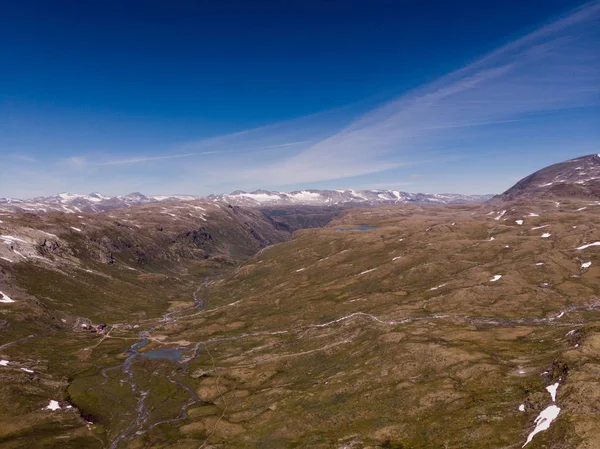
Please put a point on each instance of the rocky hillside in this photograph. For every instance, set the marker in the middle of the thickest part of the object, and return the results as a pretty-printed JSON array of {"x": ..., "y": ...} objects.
[
  {"x": 577, "y": 178},
  {"x": 70, "y": 265},
  {"x": 142, "y": 235}
]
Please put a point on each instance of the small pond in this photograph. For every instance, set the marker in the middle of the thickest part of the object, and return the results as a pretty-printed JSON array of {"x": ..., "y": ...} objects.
[
  {"x": 163, "y": 353},
  {"x": 357, "y": 228}
]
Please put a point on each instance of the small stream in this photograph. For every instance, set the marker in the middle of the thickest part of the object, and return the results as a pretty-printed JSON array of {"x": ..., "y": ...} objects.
[{"x": 173, "y": 354}]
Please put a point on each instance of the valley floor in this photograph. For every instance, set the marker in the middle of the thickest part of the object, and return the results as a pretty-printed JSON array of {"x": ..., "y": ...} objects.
[{"x": 396, "y": 327}]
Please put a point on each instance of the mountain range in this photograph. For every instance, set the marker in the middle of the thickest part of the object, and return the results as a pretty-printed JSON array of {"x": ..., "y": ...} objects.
[{"x": 96, "y": 202}]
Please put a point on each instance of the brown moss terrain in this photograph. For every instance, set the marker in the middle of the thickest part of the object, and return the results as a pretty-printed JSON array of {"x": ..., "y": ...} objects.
[
  {"x": 428, "y": 329},
  {"x": 125, "y": 268}
]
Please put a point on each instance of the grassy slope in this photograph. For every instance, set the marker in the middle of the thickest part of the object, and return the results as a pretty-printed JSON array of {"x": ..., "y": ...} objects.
[
  {"x": 299, "y": 349},
  {"x": 157, "y": 260}
]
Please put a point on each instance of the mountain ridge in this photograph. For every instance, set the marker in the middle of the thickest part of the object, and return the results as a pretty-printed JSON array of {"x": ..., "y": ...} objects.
[
  {"x": 578, "y": 177},
  {"x": 96, "y": 202}
]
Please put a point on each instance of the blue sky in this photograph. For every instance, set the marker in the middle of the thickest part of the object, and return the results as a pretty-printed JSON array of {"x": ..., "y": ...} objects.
[{"x": 207, "y": 97}]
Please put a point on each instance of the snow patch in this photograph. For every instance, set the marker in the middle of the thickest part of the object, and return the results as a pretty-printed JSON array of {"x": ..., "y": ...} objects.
[
  {"x": 586, "y": 264},
  {"x": 367, "y": 271},
  {"x": 540, "y": 227},
  {"x": 435, "y": 288},
  {"x": 4, "y": 362},
  {"x": 496, "y": 277},
  {"x": 10, "y": 238},
  {"x": 588, "y": 245},
  {"x": 75, "y": 229},
  {"x": 53, "y": 405},
  {"x": 5, "y": 298},
  {"x": 500, "y": 216},
  {"x": 552, "y": 390},
  {"x": 27, "y": 370},
  {"x": 519, "y": 222},
  {"x": 301, "y": 269},
  {"x": 543, "y": 421},
  {"x": 545, "y": 235},
  {"x": 522, "y": 407},
  {"x": 396, "y": 258},
  {"x": 17, "y": 252}
]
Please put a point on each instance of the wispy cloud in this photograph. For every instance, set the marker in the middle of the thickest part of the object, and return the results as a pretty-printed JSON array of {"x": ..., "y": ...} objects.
[
  {"x": 24, "y": 158},
  {"x": 76, "y": 162},
  {"x": 553, "y": 68},
  {"x": 139, "y": 160}
]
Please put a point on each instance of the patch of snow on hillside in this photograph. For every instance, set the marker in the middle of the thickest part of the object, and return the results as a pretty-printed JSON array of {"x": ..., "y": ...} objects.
[
  {"x": 519, "y": 222},
  {"x": 357, "y": 194},
  {"x": 27, "y": 370},
  {"x": 17, "y": 252},
  {"x": 8, "y": 260},
  {"x": 396, "y": 258},
  {"x": 260, "y": 197},
  {"x": 543, "y": 421},
  {"x": 301, "y": 269},
  {"x": 540, "y": 227},
  {"x": 4, "y": 362},
  {"x": 588, "y": 245},
  {"x": 48, "y": 233},
  {"x": 531, "y": 214},
  {"x": 545, "y": 235},
  {"x": 53, "y": 405},
  {"x": 552, "y": 390},
  {"x": 10, "y": 238},
  {"x": 501, "y": 215},
  {"x": 304, "y": 195},
  {"x": 586, "y": 264},
  {"x": 367, "y": 271},
  {"x": 75, "y": 229},
  {"x": 522, "y": 407},
  {"x": 496, "y": 278},
  {"x": 5, "y": 298},
  {"x": 435, "y": 288}
]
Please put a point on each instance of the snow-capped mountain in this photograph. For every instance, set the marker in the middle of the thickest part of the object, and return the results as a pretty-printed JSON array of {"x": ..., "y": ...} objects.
[
  {"x": 96, "y": 202},
  {"x": 74, "y": 203},
  {"x": 264, "y": 198}
]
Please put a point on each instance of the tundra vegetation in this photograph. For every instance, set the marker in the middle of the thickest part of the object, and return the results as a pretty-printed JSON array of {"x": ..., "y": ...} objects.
[{"x": 391, "y": 327}]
